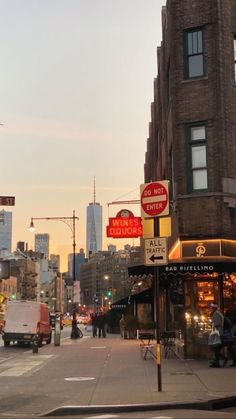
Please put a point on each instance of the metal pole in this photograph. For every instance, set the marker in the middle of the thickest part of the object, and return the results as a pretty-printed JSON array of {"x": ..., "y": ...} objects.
[
  {"x": 157, "y": 295},
  {"x": 74, "y": 320},
  {"x": 74, "y": 246}
]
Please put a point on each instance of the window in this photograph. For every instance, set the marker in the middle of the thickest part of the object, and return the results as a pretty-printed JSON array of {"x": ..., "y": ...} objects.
[
  {"x": 198, "y": 157},
  {"x": 193, "y": 54},
  {"x": 235, "y": 59}
]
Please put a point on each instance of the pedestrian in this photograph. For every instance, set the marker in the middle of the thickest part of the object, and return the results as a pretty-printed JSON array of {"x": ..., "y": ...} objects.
[
  {"x": 217, "y": 319},
  {"x": 101, "y": 325},
  {"x": 228, "y": 339},
  {"x": 122, "y": 326},
  {"x": 94, "y": 324}
]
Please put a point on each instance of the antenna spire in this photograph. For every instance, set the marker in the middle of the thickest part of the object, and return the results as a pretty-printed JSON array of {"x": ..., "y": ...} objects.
[{"x": 94, "y": 191}]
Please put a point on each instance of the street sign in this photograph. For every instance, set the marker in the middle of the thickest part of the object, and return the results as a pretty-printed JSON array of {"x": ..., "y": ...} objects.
[
  {"x": 7, "y": 200},
  {"x": 154, "y": 199},
  {"x": 156, "y": 251}
]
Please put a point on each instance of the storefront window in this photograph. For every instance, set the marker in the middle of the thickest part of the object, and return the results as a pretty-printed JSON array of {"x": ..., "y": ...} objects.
[
  {"x": 198, "y": 296},
  {"x": 229, "y": 293}
]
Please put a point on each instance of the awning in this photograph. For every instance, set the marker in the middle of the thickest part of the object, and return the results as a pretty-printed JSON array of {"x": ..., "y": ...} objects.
[
  {"x": 121, "y": 304},
  {"x": 145, "y": 296},
  {"x": 141, "y": 270},
  {"x": 200, "y": 266}
]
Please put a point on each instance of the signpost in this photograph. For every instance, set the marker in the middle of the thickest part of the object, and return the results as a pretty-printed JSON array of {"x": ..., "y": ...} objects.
[
  {"x": 7, "y": 200},
  {"x": 154, "y": 204}
]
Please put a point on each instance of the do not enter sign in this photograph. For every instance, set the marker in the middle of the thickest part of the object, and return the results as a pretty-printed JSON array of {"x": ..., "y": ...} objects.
[{"x": 155, "y": 199}]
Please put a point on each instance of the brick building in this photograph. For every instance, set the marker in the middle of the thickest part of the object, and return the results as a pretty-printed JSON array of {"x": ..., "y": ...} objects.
[{"x": 192, "y": 143}]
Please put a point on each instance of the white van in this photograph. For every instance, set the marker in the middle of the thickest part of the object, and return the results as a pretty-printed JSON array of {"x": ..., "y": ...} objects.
[{"x": 26, "y": 320}]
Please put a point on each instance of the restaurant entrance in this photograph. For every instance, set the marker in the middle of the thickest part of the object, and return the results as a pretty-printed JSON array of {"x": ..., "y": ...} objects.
[{"x": 189, "y": 314}]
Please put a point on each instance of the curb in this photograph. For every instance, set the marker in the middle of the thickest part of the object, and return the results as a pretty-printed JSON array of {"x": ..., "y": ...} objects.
[{"x": 213, "y": 404}]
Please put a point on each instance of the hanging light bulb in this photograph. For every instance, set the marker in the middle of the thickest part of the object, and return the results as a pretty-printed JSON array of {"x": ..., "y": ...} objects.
[{"x": 31, "y": 227}]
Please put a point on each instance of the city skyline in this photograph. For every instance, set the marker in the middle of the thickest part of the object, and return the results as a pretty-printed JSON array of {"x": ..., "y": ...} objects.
[{"x": 76, "y": 86}]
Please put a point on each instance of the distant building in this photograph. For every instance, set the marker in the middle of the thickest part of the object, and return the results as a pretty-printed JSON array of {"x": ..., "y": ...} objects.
[
  {"x": 54, "y": 262},
  {"x": 79, "y": 260},
  {"x": 94, "y": 227},
  {"x": 21, "y": 246},
  {"x": 5, "y": 230},
  {"x": 42, "y": 244},
  {"x": 111, "y": 248}
]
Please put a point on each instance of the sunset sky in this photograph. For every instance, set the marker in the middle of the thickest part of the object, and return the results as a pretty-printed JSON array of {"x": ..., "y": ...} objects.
[{"x": 76, "y": 85}]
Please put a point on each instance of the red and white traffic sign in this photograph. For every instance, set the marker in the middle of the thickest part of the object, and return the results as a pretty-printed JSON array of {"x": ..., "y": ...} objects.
[{"x": 154, "y": 199}]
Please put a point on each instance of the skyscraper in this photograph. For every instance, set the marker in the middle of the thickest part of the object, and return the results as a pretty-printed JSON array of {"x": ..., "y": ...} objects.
[
  {"x": 42, "y": 244},
  {"x": 5, "y": 230},
  {"x": 94, "y": 226},
  {"x": 79, "y": 260}
]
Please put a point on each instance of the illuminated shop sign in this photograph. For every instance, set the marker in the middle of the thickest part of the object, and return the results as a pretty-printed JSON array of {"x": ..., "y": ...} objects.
[
  {"x": 208, "y": 248},
  {"x": 205, "y": 267},
  {"x": 201, "y": 249},
  {"x": 124, "y": 225}
]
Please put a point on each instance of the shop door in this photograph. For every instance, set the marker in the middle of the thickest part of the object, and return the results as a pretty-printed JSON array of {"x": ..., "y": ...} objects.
[{"x": 198, "y": 295}]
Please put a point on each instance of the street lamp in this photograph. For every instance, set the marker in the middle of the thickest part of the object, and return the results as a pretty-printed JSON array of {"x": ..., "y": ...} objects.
[{"x": 70, "y": 222}]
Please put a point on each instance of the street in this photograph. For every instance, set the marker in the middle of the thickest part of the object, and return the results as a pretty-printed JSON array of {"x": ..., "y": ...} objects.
[{"x": 100, "y": 378}]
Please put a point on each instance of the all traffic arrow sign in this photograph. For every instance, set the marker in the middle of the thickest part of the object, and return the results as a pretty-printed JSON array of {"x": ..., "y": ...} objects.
[
  {"x": 156, "y": 251},
  {"x": 154, "y": 258}
]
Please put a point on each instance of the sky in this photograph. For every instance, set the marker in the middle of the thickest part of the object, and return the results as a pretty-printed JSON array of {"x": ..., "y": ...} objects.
[{"x": 76, "y": 86}]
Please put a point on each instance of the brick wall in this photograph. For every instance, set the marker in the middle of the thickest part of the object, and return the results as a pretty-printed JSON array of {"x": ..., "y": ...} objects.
[{"x": 212, "y": 99}]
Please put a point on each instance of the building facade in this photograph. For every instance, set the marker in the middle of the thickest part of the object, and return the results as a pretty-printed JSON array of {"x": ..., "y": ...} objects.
[
  {"x": 79, "y": 260},
  {"x": 5, "y": 230},
  {"x": 192, "y": 143},
  {"x": 94, "y": 228},
  {"x": 42, "y": 244}
]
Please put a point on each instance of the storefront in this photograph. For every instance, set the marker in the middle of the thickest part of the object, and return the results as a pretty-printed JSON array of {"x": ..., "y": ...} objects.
[
  {"x": 200, "y": 283},
  {"x": 186, "y": 291}
]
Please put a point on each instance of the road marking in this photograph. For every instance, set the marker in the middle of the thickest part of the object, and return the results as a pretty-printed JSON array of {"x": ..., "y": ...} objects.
[
  {"x": 97, "y": 347},
  {"x": 79, "y": 378},
  {"x": 18, "y": 367},
  {"x": 102, "y": 416}
]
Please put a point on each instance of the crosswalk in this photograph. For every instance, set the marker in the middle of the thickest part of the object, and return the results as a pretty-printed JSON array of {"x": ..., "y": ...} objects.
[{"x": 16, "y": 367}]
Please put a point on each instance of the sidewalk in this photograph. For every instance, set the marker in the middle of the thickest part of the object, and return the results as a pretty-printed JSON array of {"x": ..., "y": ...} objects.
[{"x": 125, "y": 379}]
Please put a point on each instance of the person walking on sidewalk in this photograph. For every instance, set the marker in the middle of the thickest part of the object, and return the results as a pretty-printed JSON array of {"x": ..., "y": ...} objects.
[
  {"x": 101, "y": 325},
  {"x": 228, "y": 339},
  {"x": 217, "y": 323},
  {"x": 94, "y": 324}
]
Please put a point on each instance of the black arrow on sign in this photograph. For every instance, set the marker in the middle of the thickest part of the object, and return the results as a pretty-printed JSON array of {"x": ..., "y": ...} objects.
[{"x": 153, "y": 258}]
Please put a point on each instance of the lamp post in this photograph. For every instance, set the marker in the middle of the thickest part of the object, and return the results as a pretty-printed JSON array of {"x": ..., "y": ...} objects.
[{"x": 70, "y": 222}]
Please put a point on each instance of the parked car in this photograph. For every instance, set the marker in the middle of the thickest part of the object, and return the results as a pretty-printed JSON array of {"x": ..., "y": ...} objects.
[{"x": 27, "y": 321}]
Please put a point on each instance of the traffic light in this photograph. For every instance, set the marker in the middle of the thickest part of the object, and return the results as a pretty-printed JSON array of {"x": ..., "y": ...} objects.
[{"x": 109, "y": 293}]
